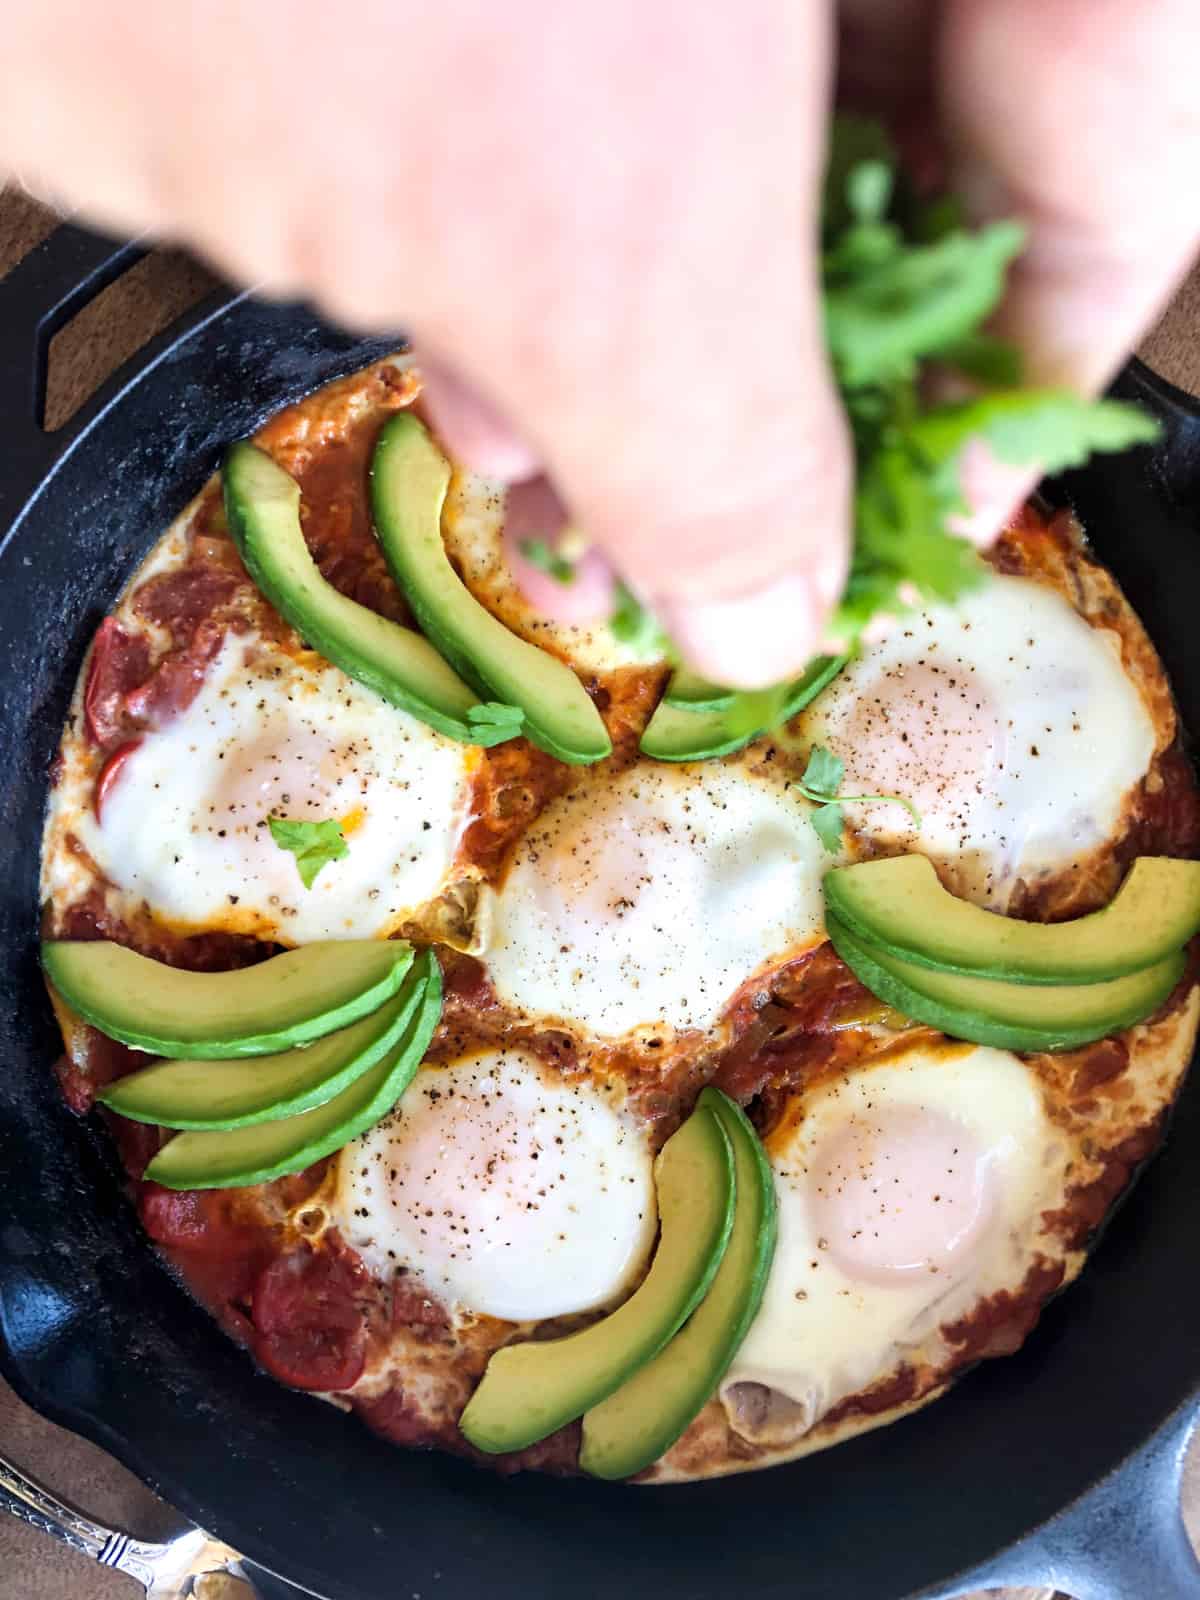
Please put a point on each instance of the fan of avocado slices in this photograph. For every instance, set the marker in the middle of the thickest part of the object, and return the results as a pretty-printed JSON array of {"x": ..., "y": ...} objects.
[{"x": 907, "y": 289}]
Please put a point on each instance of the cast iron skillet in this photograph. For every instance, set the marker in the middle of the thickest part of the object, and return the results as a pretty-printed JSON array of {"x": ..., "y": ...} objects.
[{"x": 1059, "y": 1465}]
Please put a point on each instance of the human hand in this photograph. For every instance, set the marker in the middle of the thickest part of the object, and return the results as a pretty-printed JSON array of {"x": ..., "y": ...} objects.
[{"x": 599, "y": 223}]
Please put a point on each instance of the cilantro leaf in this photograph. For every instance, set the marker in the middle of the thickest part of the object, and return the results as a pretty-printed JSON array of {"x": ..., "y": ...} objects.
[
  {"x": 314, "y": 844},
  {"x": 820, "y": 784},
  {"x": 882, "y": 319},
  {"x": 827, "y": 824},
  {"x": 824, "y": 772},
  {"x": 908, "y": 288},
  {"x": 1048, "y": 428},
  {"x": 496, "y": 714},
  {"x": 633, "y": 623},
  {"x": 542, "y": 555}
]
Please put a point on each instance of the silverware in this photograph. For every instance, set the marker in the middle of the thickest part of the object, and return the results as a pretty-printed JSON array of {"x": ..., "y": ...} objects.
[{"x": 189, "y": 1567}]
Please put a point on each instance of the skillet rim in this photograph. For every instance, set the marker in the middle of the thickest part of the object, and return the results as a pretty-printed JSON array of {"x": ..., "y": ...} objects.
[{"x": 96, "y": 1424}]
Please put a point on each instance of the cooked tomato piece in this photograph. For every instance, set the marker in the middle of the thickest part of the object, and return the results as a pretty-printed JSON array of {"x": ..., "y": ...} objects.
[
  {"x": 120, "y": 662},
  {"x": 391, "y": 1415},
  {"x": 310, "y": 1320},
  {"x": 181, "y": 601},
  {"x": 178, "y": 1218},
  {"x": 413, "y": 1306},
  {"x": 176, "y": 681},
  {"x": 110, "y": 772}
]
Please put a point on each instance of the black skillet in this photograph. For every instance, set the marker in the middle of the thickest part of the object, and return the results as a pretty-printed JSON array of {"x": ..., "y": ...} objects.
[{"x": 1058, "y": 1465}]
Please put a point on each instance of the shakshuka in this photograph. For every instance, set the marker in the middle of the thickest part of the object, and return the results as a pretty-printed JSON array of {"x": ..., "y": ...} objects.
[{"x": 631, "y": 952}]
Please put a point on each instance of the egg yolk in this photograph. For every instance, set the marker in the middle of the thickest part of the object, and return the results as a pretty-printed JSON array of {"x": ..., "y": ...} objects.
[
  {"x": 902, "y": 1191},
  {"x": 927, "y": 731}
]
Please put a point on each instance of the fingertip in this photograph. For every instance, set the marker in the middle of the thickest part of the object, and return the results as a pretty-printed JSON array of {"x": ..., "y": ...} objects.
[
  {"x": 471, "y": 428},
  {"x": 993, "y": 490},
  {"x": 753, "y": 640}
]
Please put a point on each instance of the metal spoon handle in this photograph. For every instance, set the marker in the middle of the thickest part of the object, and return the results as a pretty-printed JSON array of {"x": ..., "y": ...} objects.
[{"x": 32, "y": 1503}]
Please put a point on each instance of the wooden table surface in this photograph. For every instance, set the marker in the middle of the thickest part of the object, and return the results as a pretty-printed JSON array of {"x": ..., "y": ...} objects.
[{"x": 33, "y": 1567}]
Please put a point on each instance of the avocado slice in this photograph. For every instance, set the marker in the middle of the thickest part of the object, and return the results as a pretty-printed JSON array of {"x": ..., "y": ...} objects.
[
  {"x": 262, "y": 503},
  {"x": 286, "y": 1000},
  {"x": 900, "y": 907},
  {"x": 690, "y": 692},
  {"x": 642, "y": 1419},
  {"x": 237, "y": 1157},
  {"x": 678, "y": 733},
  {"x": 238, "y": 1093},
  {"x": 1010, "y": 1016},
  {"x": 530, "y": 1389},
  {"x": 409, "y": 479}
]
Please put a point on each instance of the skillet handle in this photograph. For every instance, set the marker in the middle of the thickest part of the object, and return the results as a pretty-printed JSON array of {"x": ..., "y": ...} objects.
[
  {"x": 1124, "y": 1540},
  {"x": 38, "y": 297}
]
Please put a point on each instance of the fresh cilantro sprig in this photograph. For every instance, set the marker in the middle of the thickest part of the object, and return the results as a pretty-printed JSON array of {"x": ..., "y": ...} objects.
[
  {"x": 633, "y": 623},
  {"x": 821, "y": 782},
  {"x": 907, "y": 288},
  {"x": 314, "y": 844},
  {"x": 540, "y": 553}
]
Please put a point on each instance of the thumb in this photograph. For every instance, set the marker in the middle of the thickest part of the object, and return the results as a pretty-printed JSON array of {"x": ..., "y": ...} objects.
[{"x": 1097, "y": 154}]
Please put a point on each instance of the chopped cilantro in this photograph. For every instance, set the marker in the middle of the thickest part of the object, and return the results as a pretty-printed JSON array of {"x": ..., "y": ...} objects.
[
  {"x": 827, "y": 825},
  {"x": 541, "y": 554},
  {"x": 635, "y": 624},
  {"x": 907, "y": 288},
  {"x": 314, "y": 844},
  {"x": 821, "y": 781}
]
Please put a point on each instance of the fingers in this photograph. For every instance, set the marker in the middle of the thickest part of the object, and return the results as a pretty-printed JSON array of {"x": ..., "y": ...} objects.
[
  {"x": 674, "y": 380},
  {"x": 1080, "y": 117},
  {"x": 471, "y": 428}
]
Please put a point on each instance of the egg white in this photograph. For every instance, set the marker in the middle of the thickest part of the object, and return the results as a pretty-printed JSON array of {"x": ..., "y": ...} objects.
[
  {"x": 648, "y": 898},
  {"x": 1007, "y": 721},
  {"x": 908, "y": 1191},
  {"x": 511, "y": 1191},
  {"x": 183, "y": 830}
]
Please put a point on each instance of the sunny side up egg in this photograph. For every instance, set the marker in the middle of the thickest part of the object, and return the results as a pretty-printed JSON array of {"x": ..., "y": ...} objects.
[
  {"x": 183, "y": 829},
  {"x": 909, "y": 1190},
  {"x": 1009, "y": 723},
  {"x": 509, "y": 1190},
  {"x": 646, "y": 899}
]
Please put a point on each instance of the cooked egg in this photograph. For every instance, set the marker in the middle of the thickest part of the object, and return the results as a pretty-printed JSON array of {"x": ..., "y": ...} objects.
[
  {"x": 908, "y": 1191},
  {"x": 511, "y": 1191},
  {"x": 646, "y": 899},
  {"x": 184, "y": 828},
  {"x": 473, "y": 527},
  {"x": 1007, "y": 721}
]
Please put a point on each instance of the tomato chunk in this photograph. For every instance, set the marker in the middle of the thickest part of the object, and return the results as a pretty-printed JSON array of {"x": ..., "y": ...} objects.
[{"x": 310, "y": 1320}]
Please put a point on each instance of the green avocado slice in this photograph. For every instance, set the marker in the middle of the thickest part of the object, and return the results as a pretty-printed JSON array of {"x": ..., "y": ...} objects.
[
  {"x": 1010, "y": 1016},
  {"x": 409, "y": 479},
  {"x": 237, "y": 1093},
  {"x": 900, "y": 906},
  {"x": 679, "y": 733},
  {"x": 530, "y": 1389},
  {"x": 286, "y": 1000},
  {"x": 690, "y": 692},
  {"x": 237, "y": 1157},
  {"x": 262, "y": 503},
  {"x": 642, "y": 1419}
]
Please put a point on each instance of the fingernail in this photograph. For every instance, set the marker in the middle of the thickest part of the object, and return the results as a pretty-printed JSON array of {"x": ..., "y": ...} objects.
[{"x": 752, "y": 640}]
